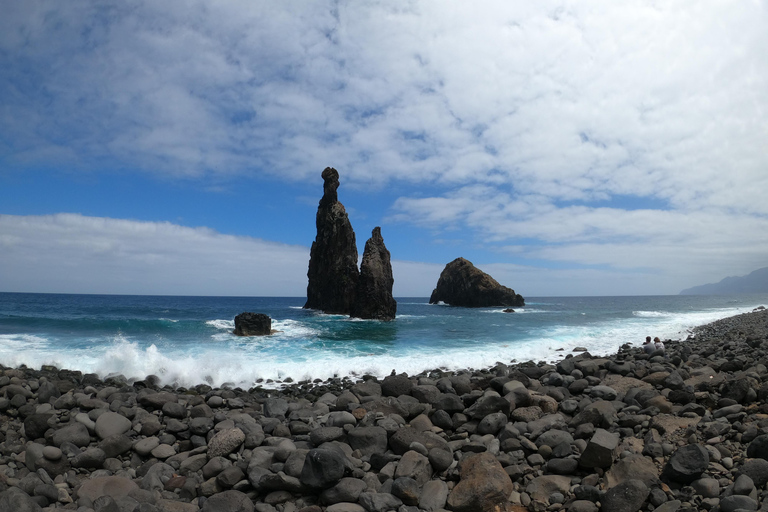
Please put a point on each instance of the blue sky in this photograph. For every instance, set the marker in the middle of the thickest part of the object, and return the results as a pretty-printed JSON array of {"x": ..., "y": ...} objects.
[{"x": 567, "y": 149}]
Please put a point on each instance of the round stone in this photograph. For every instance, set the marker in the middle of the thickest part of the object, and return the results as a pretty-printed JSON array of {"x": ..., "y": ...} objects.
[
  {"x": 225, "y": 442},
  {"x": 215, "y": 401},
  {"x": 163, "y": 451},
  {"x": 145, "y": 446},
  {"x": 51, "y": 453},
  {"x": 111, "y": 423}
]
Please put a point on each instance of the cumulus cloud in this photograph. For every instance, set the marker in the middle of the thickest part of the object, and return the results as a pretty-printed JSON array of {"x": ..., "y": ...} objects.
[
  {"x": 573, "y": 101},
  {"x": 661, "y": 251},
  {"x": 522, "y": 122},
  {"x": 72, "y": 253}
]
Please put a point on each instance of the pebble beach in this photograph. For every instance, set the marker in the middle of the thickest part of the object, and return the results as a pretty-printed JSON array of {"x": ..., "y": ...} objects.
[{"x": 685, "y": 430}]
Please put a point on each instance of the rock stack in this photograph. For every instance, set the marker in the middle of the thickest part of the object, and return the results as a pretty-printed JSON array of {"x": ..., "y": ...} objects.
[
  {"x": 463, "y": 284},
  {"x": 332, "y": 270},
  {"x": 374, "y": 287},
  {"x": 252, "y": 324},
  {"x": 335, "y": 284},
  {"x": 684, "y": 431}
]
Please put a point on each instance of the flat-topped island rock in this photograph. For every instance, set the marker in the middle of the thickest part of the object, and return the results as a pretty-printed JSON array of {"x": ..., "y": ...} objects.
[{"x": 253, "y": 324}]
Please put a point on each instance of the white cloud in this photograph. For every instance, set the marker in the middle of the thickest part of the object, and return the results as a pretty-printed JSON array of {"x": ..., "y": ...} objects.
[
  {"x": 664, "y": 250},
  {"x": 514, "y": 120},
  {"x": 77, "y": 254},
  {"x": 72, "y": 253},
  {"x": 572, "y": 101}
]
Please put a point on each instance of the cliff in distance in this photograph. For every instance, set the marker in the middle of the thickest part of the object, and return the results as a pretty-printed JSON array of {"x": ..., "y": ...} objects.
[
  {"x": 463, "y": 284},
  {"x": 755, "y": 282}
]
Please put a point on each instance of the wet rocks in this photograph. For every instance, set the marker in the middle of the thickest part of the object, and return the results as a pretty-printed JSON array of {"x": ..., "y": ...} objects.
[
  {"x": 586, "y": 434},
  {"x": 463, "y": 284},
  {"x": 252, "y": 324}
]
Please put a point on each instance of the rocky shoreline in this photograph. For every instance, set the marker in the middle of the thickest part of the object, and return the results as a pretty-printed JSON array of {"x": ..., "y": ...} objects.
[{"x": 682, "y": 431}]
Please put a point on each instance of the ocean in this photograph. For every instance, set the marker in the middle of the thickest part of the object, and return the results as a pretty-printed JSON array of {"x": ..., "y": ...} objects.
[{"x": 188, "y": 340}]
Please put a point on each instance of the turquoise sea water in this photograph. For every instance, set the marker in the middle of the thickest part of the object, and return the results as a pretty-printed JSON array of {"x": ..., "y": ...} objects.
[{"x": 188, "y": 340}]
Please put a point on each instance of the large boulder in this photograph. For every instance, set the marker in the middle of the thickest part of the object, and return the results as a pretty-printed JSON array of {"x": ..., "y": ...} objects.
[
  {"x": 484, "y": 485},
  {"x": 463, "y": 284},
  {"x": 323, "y": 468},
  {"x": 18, "y": 501},
  {"x": 686, "y": 464},
  {"x": 253, "y": 324},
  {"x": 332, "y": 273},
  {"x": 625, "y": 497},
  {"x": 600, "y": 450},
  {"x": 374, "y": 298},
  {"x": 231, "y": 501}
]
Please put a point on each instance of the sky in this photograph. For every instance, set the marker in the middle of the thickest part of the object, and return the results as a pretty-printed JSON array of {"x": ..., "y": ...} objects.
[{"x": 566, "y": 148}]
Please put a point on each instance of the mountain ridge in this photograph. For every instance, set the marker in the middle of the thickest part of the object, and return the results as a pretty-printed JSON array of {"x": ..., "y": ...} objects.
[{"x": 754, "y": 282}]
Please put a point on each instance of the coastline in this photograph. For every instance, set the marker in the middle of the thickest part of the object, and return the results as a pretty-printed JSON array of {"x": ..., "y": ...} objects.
[
  {"x": 558, "y": 436},
  {"x": 187, "y": 341}
]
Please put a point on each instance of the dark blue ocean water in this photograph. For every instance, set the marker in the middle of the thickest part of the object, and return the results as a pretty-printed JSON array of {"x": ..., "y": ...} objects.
[{"x": 188, "y": 340}]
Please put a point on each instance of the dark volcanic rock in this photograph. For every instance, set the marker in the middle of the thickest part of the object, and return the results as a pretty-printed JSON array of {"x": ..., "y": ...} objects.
[
  {"x": 758, "y": 448},
  {"x": 686, "y": 464},
  {"x": 462, "y": 284},
  {"x": 332, "y": 270},
  {"x": 483, "y": 485},
  {"x": 374, "y": 287},
  {"x": 587, "y": 434},
  {"x": 322, "y": 469},
  {"x": 252, "y": 324},
  {"x": 625, "y": 497}
]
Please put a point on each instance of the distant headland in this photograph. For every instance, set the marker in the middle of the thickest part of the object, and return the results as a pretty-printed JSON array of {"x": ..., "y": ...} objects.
[{"x": 755, "y": 282}]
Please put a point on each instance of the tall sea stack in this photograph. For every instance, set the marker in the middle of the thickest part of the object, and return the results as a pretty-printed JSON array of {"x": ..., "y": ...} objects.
[
  {"x": 332, "y": 273},
  {"x": 374, "y": 288}
]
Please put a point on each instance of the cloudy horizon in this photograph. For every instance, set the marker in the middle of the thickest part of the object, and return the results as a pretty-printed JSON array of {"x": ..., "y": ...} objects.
[{"x": 567, "y": 149}]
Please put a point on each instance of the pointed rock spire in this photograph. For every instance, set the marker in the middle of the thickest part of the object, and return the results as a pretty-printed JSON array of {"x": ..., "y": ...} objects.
[
  {"x": 374, "y": 288},
  {"x": 332, "y": 270}
]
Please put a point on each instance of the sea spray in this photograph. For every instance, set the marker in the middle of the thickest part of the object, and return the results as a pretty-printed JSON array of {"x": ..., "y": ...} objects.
[{"x": 188, "y": 340}]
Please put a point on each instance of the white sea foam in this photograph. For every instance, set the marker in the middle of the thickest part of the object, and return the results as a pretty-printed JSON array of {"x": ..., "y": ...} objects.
[
  {"x": 297, "y": 351},
  {"x": 293, "y": 328},
  {"x": 652, "y": 314},
  {"x": 15, "y": 342},
  {"x": 517, "y": 311},
  {"x": 221, "y": 324}
]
